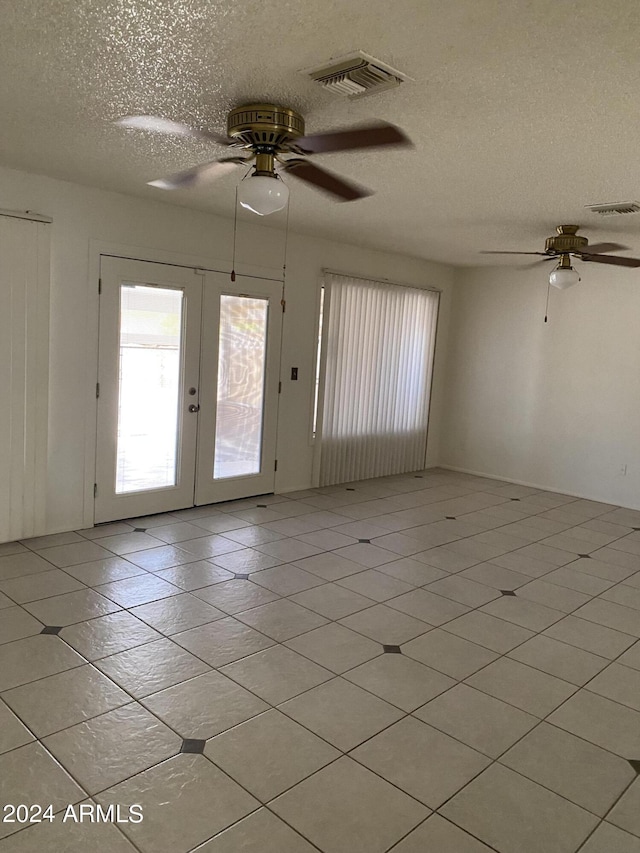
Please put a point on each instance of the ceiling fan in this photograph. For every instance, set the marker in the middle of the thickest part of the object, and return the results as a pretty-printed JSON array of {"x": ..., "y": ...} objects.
[
  {"x": 567, "y": 243},
  {"x": 272, "y": 136}
]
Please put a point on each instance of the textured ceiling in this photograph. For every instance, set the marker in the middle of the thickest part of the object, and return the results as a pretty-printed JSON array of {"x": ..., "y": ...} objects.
[{"x": 522, "y": 111}]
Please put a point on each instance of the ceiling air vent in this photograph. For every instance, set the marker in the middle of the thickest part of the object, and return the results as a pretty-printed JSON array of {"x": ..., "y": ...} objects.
[
  {"x": 356, "y": 75},
  {"x": 615, "y": 209}
]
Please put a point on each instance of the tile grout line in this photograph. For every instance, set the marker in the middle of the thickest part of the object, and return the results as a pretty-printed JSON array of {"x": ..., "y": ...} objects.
[
  {"x": 603, "y": 819},
  {"x": 211, "y": 559},
  {"x": 545, "y": 720},
  {"x": 138, "y": 702},
  {"x": 431, "y": 627},
  {"x": 286, "y": 597}
]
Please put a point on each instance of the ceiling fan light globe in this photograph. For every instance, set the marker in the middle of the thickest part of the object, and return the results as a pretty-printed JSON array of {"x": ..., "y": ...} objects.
[
  {"x": 564, "y": 278},
  {"x": 262, "y": 194}
]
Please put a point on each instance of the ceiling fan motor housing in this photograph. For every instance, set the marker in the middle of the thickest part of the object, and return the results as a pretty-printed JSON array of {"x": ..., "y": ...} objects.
[
  {"x": 567, "y": 240},
  {"x": 265, "y": 126}
]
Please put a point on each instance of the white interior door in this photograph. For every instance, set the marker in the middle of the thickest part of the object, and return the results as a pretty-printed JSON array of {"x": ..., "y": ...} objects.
[
  {"x": 239, "y": 376},
  {"x": 188, "y": 383}
]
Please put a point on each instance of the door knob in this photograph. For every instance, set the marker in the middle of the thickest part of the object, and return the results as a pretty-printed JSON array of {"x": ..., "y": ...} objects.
[{"x": 194, "y": 408}]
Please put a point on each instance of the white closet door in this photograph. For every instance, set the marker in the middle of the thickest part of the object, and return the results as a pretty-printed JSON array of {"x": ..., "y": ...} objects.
[{"x": 24, "y": 376}]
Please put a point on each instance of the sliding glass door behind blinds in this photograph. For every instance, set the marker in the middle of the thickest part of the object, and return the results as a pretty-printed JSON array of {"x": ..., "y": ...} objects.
[{"x": 380, "y": 341}]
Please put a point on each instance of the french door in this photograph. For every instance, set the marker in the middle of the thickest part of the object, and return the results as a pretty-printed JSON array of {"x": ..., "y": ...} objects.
[{"x": 187, "y": 388}]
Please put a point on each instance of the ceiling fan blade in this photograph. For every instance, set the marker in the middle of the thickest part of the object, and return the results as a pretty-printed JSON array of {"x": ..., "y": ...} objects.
[
  {"x": 199, "y": 175},
  {"x": 345, "y": 140},
  {"x": 598, "y": 248},
  {"x": 536, "y": 263},
  {"x": 608, "y": 259},
  {"x": 484, "y": 252},
  {"x": 156, "y": 124},
  {"x": 337, "y": 187}
]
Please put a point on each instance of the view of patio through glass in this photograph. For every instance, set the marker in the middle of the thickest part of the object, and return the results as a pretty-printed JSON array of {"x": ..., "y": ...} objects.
[
  {"x": 150, "y": 351},
  {"x": 241, "y": 378}
]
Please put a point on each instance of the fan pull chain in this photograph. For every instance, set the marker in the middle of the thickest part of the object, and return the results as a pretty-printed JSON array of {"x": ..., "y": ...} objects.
[
  {"x": 235, "y": 231},
  {"x": 546, "y": 309},
  {"x": 284, "y": 259}
]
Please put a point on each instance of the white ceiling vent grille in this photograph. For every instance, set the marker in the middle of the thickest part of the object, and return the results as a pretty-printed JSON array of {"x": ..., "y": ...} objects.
[
  {"x": 356, "y": 75},
  {"x": 615, "y": 209}
]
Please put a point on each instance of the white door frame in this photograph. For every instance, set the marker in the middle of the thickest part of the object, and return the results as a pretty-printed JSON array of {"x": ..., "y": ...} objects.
[
  {"x": 317, "y": 444},
  {"x": 97, "y": 248}
]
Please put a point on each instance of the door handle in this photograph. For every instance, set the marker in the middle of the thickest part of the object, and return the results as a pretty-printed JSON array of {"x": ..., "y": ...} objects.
[{"x": 194, "y": 408}]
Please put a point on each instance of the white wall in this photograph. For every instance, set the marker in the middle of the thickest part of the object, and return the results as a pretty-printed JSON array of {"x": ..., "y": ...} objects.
[
  {"x": 557, "y": 404},
  {"x": 82, "y": 214}
]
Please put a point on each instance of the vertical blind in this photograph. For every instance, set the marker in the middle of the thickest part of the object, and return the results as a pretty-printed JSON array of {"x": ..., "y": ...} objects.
[
  {"x": 380, "y": 344},
  {"x": 24, "y": 373}
]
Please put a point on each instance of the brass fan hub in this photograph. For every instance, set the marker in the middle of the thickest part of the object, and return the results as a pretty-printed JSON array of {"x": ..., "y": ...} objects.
[
  {"x": 567, "y": 240},
  {"x": 265, "y": 126}
]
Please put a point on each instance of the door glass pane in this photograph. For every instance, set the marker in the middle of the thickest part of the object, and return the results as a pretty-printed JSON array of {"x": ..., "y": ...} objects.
[
  {"x": 149, "y": 387},
  {"x": 241, "y": 367}
]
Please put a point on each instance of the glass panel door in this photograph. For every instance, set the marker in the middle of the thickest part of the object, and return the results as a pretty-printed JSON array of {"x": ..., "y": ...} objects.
[
  {"x": 239, "y": 388},
  {"x": 242, "y": 349},
  {"x": 151, "y": 346},
  {"x": 148, "y": 383},
  {"x": 188, "y": 388}
]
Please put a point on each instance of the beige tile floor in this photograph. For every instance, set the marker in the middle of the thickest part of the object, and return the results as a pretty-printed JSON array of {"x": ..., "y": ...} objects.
[{"x": 428, "y": 662}]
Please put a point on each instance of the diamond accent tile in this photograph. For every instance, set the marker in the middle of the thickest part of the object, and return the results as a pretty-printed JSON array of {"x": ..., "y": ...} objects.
[
  {"x": 193, "y": 745},
  {"x": 454, "y": 644}
]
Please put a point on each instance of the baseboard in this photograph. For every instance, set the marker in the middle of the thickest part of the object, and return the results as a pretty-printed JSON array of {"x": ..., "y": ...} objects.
[
  {"x": 524, "y": 483},
  {"x": 302, "y": 488}
]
